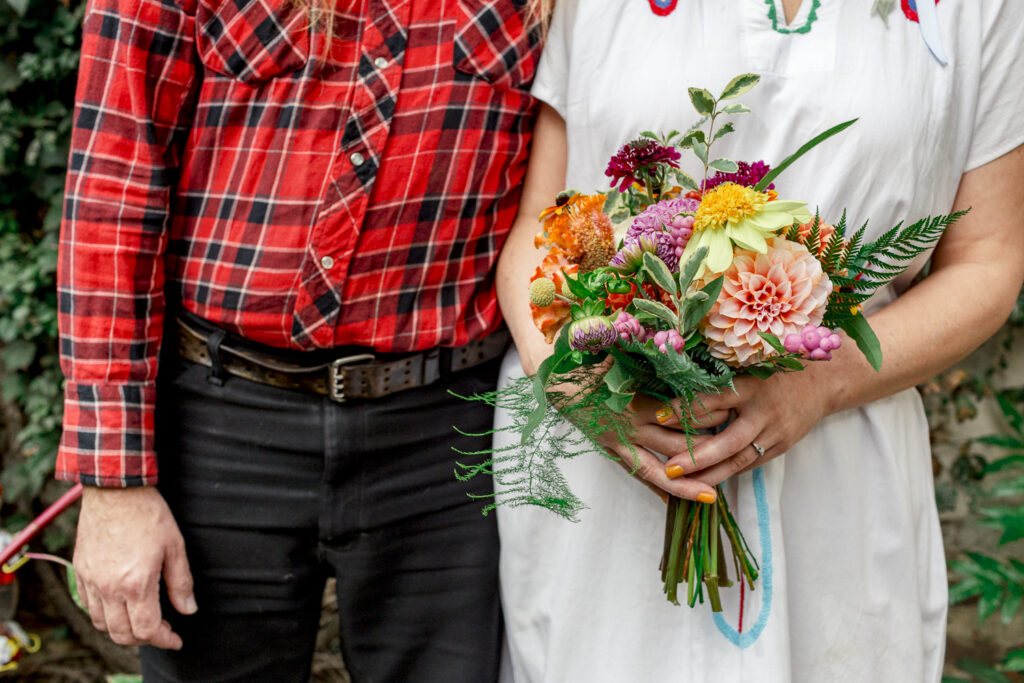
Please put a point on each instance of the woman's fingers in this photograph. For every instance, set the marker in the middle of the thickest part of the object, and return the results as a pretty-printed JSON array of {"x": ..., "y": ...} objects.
[
  {"x": 644, "y": 465},
  {"x": 730, "y": 441}
]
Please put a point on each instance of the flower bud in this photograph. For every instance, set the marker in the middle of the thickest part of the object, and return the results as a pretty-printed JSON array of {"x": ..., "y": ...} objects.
[{"x": 592, "y": 334}]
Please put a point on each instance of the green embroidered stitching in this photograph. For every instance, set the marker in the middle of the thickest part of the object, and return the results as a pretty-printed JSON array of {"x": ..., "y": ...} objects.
[{"x": 811, "y": 18}]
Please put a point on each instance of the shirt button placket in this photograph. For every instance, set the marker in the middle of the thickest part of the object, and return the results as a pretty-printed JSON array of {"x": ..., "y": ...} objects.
[
  {"x": 357, "y": 159},
  {"x": 381, "y": 63},
  {"x": 327, "y": 262}
]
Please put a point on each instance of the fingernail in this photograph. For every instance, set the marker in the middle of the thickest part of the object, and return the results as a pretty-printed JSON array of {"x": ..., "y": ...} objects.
[
  {"x": 705, "y": 497},
  {"x": 190, "y": 605},
  {"x": 664, "y": 414},
  {"x": 673, "y": 471},
  {"x": 664, "y": 498}
]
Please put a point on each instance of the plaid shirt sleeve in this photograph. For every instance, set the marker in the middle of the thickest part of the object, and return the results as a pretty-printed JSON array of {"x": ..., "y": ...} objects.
[{"x": 135, "y": 97}]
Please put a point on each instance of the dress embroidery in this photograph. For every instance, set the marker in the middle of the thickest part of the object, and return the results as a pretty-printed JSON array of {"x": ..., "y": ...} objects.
[
  {"x": 910, "y": 8},
  {"x": 773, "y": 15},
  {"x": 663, "y": 8}
]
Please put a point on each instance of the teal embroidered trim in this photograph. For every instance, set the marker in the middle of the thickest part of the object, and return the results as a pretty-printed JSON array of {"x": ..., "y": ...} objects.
[{"x": 774, "y": 16}]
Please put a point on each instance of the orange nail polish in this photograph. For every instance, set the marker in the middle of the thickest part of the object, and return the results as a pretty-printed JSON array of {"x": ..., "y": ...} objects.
[
  {"x": 673, "y": 471},
  {"x": 664, "y": 414},
  {"x": 705, "y": 497},
  {"x": 664, "y": 498}
]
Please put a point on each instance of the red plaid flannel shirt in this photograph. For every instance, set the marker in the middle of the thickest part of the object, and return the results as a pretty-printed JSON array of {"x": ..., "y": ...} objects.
[{"x": 300, "y": 193}]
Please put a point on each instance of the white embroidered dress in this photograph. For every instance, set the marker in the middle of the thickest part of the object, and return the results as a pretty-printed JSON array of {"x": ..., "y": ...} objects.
[{"x": 853, "y": 581}]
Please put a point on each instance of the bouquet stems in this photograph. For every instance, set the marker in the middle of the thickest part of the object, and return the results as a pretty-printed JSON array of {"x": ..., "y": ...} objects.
[{"x": 694, "y": 551}]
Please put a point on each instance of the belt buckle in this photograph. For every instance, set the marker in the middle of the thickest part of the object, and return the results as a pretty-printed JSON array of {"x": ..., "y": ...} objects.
[{"x": 336, "y": 381}]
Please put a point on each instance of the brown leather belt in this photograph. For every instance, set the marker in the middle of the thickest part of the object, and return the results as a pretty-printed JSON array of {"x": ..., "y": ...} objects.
[{"x": 357, "y": 376}]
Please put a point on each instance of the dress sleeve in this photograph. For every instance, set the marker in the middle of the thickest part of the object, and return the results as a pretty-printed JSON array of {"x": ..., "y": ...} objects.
[
  {"x": 998, "y": 125},
  {"x": 137, "y": 83},
  {"x": 551, "y": 84}
]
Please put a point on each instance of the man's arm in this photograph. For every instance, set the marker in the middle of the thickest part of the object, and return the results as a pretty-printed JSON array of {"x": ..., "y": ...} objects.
[{"x": 136, "y": 92}]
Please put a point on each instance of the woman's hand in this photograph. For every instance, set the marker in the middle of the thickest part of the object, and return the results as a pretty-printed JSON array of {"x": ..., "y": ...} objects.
[
  {"x": 656, "y": 431},
  {"x": 773, "y": 413}
]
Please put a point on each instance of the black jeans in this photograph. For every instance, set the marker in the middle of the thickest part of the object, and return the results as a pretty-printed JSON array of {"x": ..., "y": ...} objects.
[{"x": 275, "y": 489}]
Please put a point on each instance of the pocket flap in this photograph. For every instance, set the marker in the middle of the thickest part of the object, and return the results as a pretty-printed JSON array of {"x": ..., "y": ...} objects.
[{"x": 252, "y": 40}]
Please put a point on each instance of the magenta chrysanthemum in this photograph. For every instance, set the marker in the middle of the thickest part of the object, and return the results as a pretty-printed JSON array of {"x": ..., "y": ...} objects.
[
  {"x": 639, "y": 156},
  {"x": 747, "y": 175}
]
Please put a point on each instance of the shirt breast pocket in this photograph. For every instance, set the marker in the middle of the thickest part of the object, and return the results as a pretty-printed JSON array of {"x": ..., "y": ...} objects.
[
  {"x": 493, "y": 42},
  {"x": 252, "y": 40}
]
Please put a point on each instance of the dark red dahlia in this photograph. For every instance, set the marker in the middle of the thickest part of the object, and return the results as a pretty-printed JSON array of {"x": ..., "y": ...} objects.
[
  {"x": 747, "y": 175},
  {"x": 639, "y": 157}
]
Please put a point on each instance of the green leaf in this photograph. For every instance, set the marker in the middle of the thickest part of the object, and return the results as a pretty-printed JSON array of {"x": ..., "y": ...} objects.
[
  {"x": 981, "y": 671},
  {"x": 619, "y": 381},
  {"x": 73, "y": 589},
  {"x": 1011, "y": 602},
  {"x": 1014, "y": 660},
  {"x": 701, "y": 150},
  {"x": 722, "y": 132},
  {"x": 724, "y": 165},
  {"x": 19, "y": 6},
  {"x": 690, "y": 268},
  {"x": 657, "y": 309},
  {"x": 739, "y": 85},
  {"x": 18, "y": 355},
  {"x": 964, "y": 590},
  {"x": 685, "y": 180},
  {"x": 807, "y": 147},
  {"x": 575, "y": 286},
  {"x": 773, "y": 342},
  {"x": 1003, "y": 463},
  {"x": 650, "y": 134},
  {"x": 860, "y": 331},
  {"x": 1010, "y": 487},
  {"x": 692, "y": 136},
  {"x": 736, "y": 108},
  {"x": 660, "y": 273},
  {"x": 1003, "y": 441},
  {"x": 1011, "y": 413},
  {"x": 703, "y": 101},
  {"x": 695, "y": 309},
  {"x": 124, "y": 678}
]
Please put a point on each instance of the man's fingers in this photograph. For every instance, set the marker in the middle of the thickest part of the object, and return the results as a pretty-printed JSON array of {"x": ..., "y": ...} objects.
[
  {"x": 166, "y": 638},
  {"x": 144, "y": 613},
  {"x": 178, "y": 579},
  {"x": 118, "y": 625}
]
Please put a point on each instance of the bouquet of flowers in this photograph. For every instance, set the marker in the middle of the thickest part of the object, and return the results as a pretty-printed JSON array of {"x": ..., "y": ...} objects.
[{"x": 709, "y": 280}]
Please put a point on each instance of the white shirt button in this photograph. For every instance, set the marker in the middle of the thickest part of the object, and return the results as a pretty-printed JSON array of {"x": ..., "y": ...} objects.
[
  {"x": 380, "y": 63},
  {"x": 327, "y": 262},
  {"x": 357, "y": 159}
]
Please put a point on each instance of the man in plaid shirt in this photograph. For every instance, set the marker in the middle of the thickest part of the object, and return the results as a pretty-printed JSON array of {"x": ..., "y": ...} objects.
[{"x": 301, "y": 220}]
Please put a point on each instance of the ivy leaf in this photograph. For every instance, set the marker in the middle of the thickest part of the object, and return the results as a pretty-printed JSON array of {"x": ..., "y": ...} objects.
[
  {"x": 739, "y": 85},
  {"x": 701, "y": 150},
  {"x": 697, "y": 308},
  {"x": 658, "y": 310},
  {"x": 724, "y": 165},
  {"x": 685, "y": 180},
  {"x": 736, "y": 108},
  {"x": 619, "y": 381},
  {"x": 660, "y": 273},
  {"x": 723, "y": 131},
  {"x": 695, "y": 135},
  {"x": 703, "y": 101}
]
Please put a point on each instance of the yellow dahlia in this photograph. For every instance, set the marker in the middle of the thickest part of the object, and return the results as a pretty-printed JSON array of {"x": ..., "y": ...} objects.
[{"x": 733, "y": 214}]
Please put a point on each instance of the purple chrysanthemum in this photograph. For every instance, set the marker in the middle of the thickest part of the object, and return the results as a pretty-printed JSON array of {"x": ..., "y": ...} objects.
[
  {"x": 658, "y": 217},
  {"x": 747, "y": 175},
  {"x": 592, "y": 334},
  {"x": 640, "y": 155},
  {"x": 666, "y": 227}
]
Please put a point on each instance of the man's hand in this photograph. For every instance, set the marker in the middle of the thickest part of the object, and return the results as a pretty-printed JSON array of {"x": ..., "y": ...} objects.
[{"x": 127, "y": 538}]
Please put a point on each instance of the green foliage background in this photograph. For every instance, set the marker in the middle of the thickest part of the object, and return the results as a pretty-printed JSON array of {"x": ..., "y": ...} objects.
[{"x": 39, "y": 43}]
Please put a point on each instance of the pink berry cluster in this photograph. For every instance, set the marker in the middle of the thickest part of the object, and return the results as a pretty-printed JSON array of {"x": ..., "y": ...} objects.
[
  {"x": 663, "y": 339},
  {"x": 629, "y": 328},
  {"x": 816, "y": 343},
  {"x": 681, "y": 229}
]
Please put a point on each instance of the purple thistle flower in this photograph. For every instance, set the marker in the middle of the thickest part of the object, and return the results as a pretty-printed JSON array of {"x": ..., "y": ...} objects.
[
  {"x": 592, "y": 334},
  {"x": 637, "y": 156},
  {"x": 747, "y": 175}
]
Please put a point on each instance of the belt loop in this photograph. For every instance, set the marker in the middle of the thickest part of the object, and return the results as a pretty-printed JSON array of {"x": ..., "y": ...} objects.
[
  {"x": 217, "y": 374},
  {"x": 431, "y": 366}
]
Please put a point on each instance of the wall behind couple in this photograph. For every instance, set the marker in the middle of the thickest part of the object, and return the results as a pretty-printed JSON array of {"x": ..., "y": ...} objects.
[{"x": 39, "y": 41}]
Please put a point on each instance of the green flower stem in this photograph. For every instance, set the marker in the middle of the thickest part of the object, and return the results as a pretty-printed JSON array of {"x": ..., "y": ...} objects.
[
  {"x": 711, "y": 573},
  {"x": 675, "y": 550}
]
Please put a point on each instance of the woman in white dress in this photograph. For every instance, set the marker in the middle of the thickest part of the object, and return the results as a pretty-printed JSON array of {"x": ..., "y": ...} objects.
[{"x": 853, "y": 583}]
